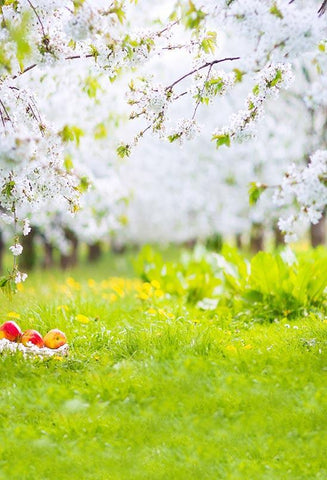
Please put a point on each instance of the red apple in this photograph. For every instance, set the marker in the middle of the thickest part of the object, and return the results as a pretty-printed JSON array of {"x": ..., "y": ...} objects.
[
  {"x": 11, "y": 331},
  {"x": 55, "y": 338},
  {"x": 32, "y": 336}
]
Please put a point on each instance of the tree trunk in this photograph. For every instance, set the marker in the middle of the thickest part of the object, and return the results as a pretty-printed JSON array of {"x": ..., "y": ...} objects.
[
  {"x": 117, "y": 248},
  {"x": 27, "y": 260},
  {"x": 279, "y": 237},
  {"x": 257, "y": 238},
  {"x": 94, "y": 252},
  {"x": 318, "y": 232},
  {"x": 190, "y": 244},
  {"x": 239, "y": 242},
  {"x": 48, "y": 260},
  {"x": 70, "y": 259}
]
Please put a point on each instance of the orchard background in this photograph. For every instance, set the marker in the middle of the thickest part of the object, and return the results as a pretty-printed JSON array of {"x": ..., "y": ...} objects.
[{"x": 163, "y": 190}]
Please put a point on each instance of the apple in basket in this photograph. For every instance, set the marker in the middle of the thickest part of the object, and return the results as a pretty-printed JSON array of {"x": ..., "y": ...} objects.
[
  {"x": 55, "y": 338},
  {"x": 32, "y": 336},
  {"x": 11, "y": 331}
]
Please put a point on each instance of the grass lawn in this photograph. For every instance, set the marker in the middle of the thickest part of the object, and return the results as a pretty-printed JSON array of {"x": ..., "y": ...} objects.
[{"x": 155, "y": 389}]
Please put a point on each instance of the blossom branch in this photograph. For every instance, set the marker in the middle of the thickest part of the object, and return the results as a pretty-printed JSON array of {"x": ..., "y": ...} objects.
[
  {"x": 72, "y": 57},
  {"x": 38, "y": 17},
  {"x": 201, "y": 94},
  {"x": 205, "y": 65}
]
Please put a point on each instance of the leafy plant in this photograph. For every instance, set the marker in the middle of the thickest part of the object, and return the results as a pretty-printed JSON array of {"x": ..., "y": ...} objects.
[
  {"x": 193, "y": 277},
  {"x": 272, "y": 288}
]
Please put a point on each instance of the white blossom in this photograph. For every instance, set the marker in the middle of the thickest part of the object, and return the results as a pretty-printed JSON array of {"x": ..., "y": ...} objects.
[
  {"x": 20, "y": 277},
  {"x": 26, "y": 227},
  {"x": 16, "y": 249}
]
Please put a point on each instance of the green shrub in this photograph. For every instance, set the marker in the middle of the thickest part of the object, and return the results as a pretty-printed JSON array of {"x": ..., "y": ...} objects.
[{"x": 272, "y": 288}]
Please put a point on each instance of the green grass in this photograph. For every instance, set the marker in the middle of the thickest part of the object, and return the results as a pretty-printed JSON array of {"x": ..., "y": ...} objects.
[{"x": 158, "y": 389}]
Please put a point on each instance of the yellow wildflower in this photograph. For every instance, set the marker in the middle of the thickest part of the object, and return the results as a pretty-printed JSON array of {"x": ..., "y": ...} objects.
[
  {"x": 58, "y": 358},
  {"x": 231, "y": 348},
  {"x": 159, "y": 293},
  {"x": 82, "y": 318},
  {"x": 155, "y": 284},
  {"x": 63, "y": 307},
  {"x": 147, "y": 287},
  {"x": 143, "y": 296},
  {"x": 105, "y": 284},
  {"x": 71, "y": 283},
  {"x": 13, "y": 315},
  {"x": 91, "y": 283},
  {"x": 117, "y": 289}
]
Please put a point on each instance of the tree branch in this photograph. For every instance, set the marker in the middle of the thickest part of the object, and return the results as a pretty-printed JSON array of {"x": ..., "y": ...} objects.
[
  {"x": 73, "y": 57},
  {"x": 322, "y": 9},
  {"x": 38, "y": 17},
  {"x": 207, "y": 64}
]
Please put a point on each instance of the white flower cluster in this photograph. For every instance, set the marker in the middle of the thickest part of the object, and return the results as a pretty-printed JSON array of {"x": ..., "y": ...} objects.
[
  {"x": 217, "y": 83},
  {"x": 306, "y": 187},
  {"x": 20, "y": 277},
  {"x": 186, "y": 129},
  {"x": 16, "y": 249},
  {"x": 268, "y": 83},
  {"x": 316, "y": 96},
  {"x": 275, "y": 29},
  {"x": 148, "y": 100}
]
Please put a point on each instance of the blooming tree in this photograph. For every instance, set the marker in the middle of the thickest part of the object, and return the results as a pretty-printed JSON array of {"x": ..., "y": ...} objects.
[{"x": 223, "y": 43}]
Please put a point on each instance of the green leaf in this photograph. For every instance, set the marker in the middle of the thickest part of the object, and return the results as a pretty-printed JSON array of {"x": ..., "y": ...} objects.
[
  {"x": 277, "y": 79},
  {"x": 223, "y": 139},
  {"x": 8, "y": 285},
  {"x": 215, "y": 85},
  {"x": 91, "y": 86},
  {"x": 77, "y": 4},
  {"x": 94, "y": 51},
  {"x": 124, "y": 151},
  {"x": 274, "y": 10},
  {"x": 100, "y": 131},
  {"x": 18, "y": 34},
  {"x": 192, "y": 16},
  {"x": 208, "y": 44},
  {"x": 255, "y": 191},
  {"x": 238, "y": 75},
  {"x": 8, "y": 188},
  {"x": 256, "y": 90},
  {"x": 71, "y": 133},
  {"x": 175, "y": 136},
  {"x": 68, "y": 163},
  {"x": 83, "y": 184},
  {"x": 3, "y": 281}
]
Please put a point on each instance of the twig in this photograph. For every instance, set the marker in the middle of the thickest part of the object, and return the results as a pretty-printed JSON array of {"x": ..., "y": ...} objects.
[
  {"x": 323, "y": 8},
  {"x": 202, "y": 91},
  {"x": 6, "y": 111},
  {"x": 38, "y": 17},
  {"x": 73, "y": 57},
  {"x": 205, "y": 65},
  {"x": 168, "y": 27}
]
